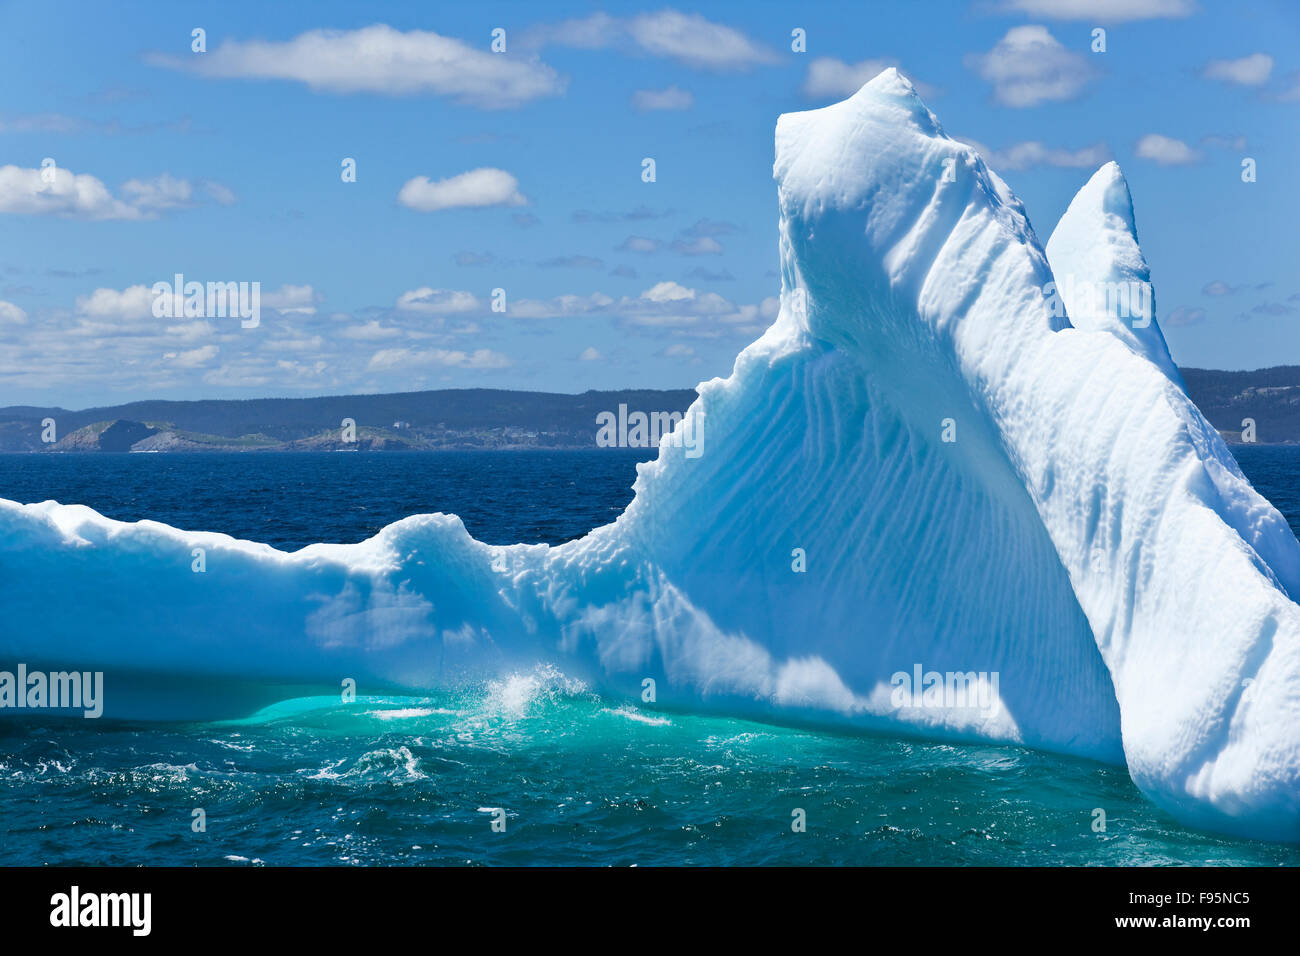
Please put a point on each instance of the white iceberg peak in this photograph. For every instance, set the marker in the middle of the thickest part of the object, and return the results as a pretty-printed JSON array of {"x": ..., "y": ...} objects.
[
  {"x": 920, "y": 467},
  {"x": 1101, "y": 277}
]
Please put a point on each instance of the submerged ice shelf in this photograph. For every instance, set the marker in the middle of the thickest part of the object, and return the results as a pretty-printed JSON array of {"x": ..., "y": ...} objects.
[{"x": 1086, "y": 538}]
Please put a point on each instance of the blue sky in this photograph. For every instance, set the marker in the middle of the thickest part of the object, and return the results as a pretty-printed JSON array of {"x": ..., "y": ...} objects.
[{"x": 226, "y": 166}]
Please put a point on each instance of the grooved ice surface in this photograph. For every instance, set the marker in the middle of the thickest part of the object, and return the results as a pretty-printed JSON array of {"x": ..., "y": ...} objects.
[{"x": 1087, "y": 538}]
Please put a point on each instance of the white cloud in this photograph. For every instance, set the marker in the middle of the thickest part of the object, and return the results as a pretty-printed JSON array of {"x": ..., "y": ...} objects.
[
  {"x": 68, "y": 194},
  {"x": 665, "y": 305},
  {"x": 679, "y": 351},
  {"x": 189, "y": 331},
  {"x": 1166, "y": 150},
  {"x": 381, "y": 59},
  {"x": 370, "y": 331},
  {"x": 437, "y": 301},
  {"x": 72, "y": 195},
  {"x": 672, "y": 98},
  {"x": 134, "y": 302},
  {"x": 478, "y": 187},
  {"x": 829, "y": 78},
  {"x": 1029, "y": 66},
  {"x": 194, "y": 358},
  {"x": 10, "y": 314},
  {"x": 695, "y": 41},
  {"x": 640, "y": 244},
  {"x": 1033, "y": 153},
  {"x": 292, "y": 299},
  {"x": 700, "y": 246},
  {"x": 1253, "y": 70},
  {"x": 667, "y": 292},
  {"x": 1102, "y": 11},
  {"x": 560, "y": 305},
  {"x": 109, "y": 339},
  {"x": 161, "y": 192},
  {"x": 595, "y": 32},
  {"x": 687, "y": 38}
]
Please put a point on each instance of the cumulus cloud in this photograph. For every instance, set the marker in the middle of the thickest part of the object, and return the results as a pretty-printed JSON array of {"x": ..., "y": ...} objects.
[
  {"x": 381, "y": 59},
  {"x": 560, "y": 306},
  {"x": 1033, "y": 153},
  {"x": 478, "y": 187},
  {"x": 437, "y": 301},
  {"x": 292, "y": 299},
  {"x": 163, "y": 192},
  {"x": 1029, "y": 66},
  {"x": 66, "y": 194},
  {"x": 109, "y": 339},
  {"x": 371, "y": 331},
  {"x": 695, "y": 41},
  {"x": 133, "y": 302},
  {"x": 1253, "y": 70},
  {"x": 666, "y": 305},
  {"x": 688, "y": 38},
  {"x": 60, "y": 192},
  {"x": 667, "y": 292},
  {"x": 136, "y": 302},
  {"x": 1165, "y": 150}
]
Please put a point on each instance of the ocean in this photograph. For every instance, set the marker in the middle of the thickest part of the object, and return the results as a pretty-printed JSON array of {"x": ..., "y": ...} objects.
[{"x": 533, "y": 768}]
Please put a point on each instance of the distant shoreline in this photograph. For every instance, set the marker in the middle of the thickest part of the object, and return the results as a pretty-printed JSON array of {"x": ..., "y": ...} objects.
[{"x": 487, "y": 419}]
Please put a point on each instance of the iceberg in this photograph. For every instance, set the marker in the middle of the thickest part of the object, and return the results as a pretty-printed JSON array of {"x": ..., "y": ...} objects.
[{"x": 929, "y": 499}]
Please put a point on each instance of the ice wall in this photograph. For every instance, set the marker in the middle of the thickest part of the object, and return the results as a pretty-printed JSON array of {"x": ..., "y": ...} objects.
[{"x": 972, "y": 484}]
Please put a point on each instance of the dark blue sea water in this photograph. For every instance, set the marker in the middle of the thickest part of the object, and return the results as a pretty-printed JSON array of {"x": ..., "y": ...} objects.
[{"x": 581, "y": 779}]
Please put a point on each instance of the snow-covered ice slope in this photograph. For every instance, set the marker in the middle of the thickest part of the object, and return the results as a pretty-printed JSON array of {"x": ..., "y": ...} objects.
[{"x": 1086, "y": 543}]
